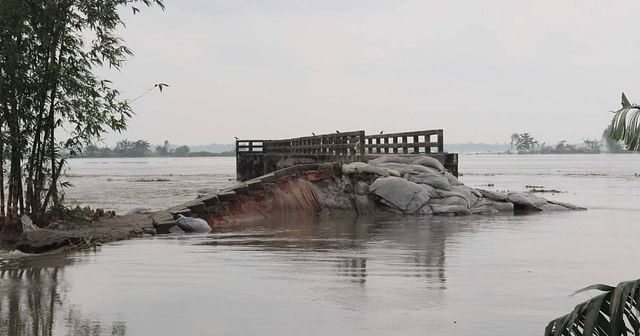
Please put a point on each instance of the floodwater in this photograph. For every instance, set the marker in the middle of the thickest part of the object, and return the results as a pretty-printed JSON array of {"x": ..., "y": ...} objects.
[{"x": 496, "y": 275}]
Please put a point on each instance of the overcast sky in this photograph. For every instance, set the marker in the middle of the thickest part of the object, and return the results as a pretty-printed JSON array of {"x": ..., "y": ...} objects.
[{"x": 480, "y": 70}]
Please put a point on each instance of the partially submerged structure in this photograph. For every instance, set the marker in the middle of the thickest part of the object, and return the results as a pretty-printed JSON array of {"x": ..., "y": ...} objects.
[
  {"x": 255, "y": 158},
  {"x": 405, "y": 173}
]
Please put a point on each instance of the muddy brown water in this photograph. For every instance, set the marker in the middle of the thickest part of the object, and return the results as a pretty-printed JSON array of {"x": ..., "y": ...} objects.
[{"x": 498, "y": 275}]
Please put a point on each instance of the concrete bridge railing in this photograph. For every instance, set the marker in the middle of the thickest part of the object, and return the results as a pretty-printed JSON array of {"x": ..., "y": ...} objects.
[{"x": 258, "y": 157}]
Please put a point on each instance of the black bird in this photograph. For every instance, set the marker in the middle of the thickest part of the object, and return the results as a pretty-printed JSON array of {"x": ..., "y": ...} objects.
[
  {"x": 338, "y": 132},
  {"x": 313, "y": 133},
  {"x": 236, "y": 138},
  {"x": 381, "y": 132}
]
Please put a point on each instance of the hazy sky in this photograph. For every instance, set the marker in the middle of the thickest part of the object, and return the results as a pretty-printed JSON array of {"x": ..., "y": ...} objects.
[{"x": 480, "y": 70}]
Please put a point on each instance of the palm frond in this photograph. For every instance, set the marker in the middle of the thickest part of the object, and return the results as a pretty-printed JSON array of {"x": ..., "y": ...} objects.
[
  {"x": 625, "y": 124},
  {"x": 614, "y": 312}
]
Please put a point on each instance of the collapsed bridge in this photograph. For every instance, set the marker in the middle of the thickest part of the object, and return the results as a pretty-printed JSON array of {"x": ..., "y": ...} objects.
[
  {"x": 347, "y": 173},
  {"x": 259, "y": 157}
]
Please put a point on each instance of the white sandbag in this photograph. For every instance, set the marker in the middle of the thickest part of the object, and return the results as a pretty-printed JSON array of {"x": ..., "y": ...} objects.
[
  {"x": 192, "y": 224},
  {"x": 361, "y": 167},
  {"x": 393, "y": 172},
  {"x": 428, "y": 161},
  {"x": 27, "y": 224}
]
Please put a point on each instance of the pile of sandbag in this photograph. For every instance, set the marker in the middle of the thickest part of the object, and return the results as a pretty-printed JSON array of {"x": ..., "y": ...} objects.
[{"x": 420, "y": 185}]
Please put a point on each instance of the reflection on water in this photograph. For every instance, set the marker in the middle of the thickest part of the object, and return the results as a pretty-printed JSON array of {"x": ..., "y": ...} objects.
[
  {"x": 34, "y": 302},
  {"x": 340, "y": 275}
]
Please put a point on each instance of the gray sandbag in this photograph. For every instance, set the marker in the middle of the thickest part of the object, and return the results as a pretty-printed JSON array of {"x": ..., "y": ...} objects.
[
  {"x": 468, "y": 193},
  {"x": 399, "y": 167},
  {"x": 451, "y": 200},
  {"x": 433, "y": 193},
  {"x": 567, "y": 205},
  {"x": 453, "y": 181},
  {"x": 400, "y": 193},
  {"x": 428, "y": 161},
  {"x": 493, "y": 195},
  {"x": 547, "y": 205},
  {"x": 538, "y": 201},
  {"x": 448, "y": 193},
  {"x": 448, "y": 210},
  {"x": 27, "y": 224},
  {"x": 438, "y": 181},
  {"x": 521, "y": 202},
  {"x": 389, "y": 159},
  {"x": 361, "y": 167},
  {"x": 499, "y": 206},
  {"x": 192, "y": 224},
  {"x": 487, "y": 206}
]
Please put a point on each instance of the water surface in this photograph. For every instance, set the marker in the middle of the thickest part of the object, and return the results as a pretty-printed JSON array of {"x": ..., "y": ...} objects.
[{"x": 496, "y": 275}]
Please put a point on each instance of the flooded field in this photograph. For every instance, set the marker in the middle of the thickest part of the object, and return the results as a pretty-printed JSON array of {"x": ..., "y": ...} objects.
[{"x": 496, "y": 275}]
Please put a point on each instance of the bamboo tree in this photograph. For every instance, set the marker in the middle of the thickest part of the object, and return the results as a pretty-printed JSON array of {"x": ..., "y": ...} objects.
[{"x": 47, "y": 81}]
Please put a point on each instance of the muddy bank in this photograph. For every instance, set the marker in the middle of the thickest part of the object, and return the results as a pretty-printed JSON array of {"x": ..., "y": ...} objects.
[{"x": 91, "y": 234}]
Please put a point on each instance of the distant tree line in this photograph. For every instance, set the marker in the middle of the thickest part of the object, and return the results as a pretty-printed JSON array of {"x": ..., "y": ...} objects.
[
  {"x": 525, "y": 143},
  {"x": 142, "y": 148}
]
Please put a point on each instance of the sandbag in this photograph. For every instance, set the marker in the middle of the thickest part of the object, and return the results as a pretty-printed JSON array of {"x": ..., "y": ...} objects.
[
  {"x": 399, "y": 167},
  {"x": 433, "y": 193},
  {"x": 469, "y": 194},
  {"x": 390, "y": 159},
  {"x": 493, "y": 195},
  {"x": 521, "y": 202},
  {"x": 192, "y": 224},
  {"x": 447, "y": 210},
  {"x": 452, "y": 179},
  {"x": 537, "y": 201},
  {"x": 447, "y": 193},
  {"x": 451, "y": 200},
  {"x": 486, "y": 206},
  {"x": 361, "y": 167},
  {"x": 428, "y": 161},
  {"x": 400, "y": 193},
  {"x": 567, "y": 205},
  {"x": 437, "y": 181},
  {"x": 393, "y": 172},
  {"x": 500, "y": 206}
]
